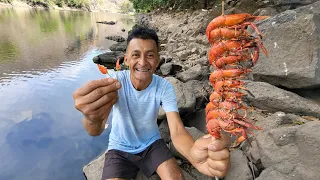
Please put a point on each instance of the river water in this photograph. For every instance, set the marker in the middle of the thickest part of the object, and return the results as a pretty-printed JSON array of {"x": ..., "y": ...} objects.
[{"x": 44, "y": 57}]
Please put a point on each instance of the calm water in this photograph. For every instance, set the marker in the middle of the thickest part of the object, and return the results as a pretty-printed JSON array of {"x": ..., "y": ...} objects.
[{"x": 44, "y": 57}]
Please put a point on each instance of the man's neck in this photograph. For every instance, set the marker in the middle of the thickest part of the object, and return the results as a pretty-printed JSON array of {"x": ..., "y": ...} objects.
[{"x": 140, "y": 85}]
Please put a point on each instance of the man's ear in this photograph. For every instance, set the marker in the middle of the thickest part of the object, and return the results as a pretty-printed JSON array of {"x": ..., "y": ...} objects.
[{"x": 126, "y": 60}]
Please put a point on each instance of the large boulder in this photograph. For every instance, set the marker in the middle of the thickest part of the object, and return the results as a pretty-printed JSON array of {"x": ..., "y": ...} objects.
[
  {"x": 292, "y": 39},
  {"x": 185, "y": 98},
  {"x": 273, "y": 99},
  {"x": 290, "y": 152}
]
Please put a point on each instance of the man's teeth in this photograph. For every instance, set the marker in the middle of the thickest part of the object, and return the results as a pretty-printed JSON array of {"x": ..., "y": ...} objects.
[{"x": 143, "y": 70}]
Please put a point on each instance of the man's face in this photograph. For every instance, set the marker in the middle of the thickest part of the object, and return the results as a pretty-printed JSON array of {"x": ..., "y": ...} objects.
[{"x": 142, "y": 58}]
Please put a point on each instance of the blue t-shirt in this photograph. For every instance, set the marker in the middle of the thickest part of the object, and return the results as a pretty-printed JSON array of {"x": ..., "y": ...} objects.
[{"x": 134, "y": 116}]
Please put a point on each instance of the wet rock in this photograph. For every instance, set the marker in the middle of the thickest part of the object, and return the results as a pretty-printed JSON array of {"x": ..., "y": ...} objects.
[
  {"x": 116, "y": 38},
  {"x": 107, "y": 22},
  {"x": 271, "y": 98},
  {"x": 121, "y": 46},
  {"x": 108, "y": 59},
  {"x": 293, "y": 45}
]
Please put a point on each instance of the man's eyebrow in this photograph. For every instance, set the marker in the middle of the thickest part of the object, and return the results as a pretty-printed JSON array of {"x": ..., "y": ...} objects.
[{"x": 135, "y": 51}]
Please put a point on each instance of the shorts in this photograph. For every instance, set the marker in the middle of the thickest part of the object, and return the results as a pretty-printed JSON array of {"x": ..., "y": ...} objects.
[{"x": 119, "y": 164}]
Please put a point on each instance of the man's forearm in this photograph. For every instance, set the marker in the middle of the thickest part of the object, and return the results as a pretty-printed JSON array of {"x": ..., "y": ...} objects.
[
  {"x": 93, "y": 128},
  {"x": 183, "y": 142}
]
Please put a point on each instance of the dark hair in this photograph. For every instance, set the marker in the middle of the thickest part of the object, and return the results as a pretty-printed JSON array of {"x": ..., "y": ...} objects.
[{"x": 143, "y": 33}]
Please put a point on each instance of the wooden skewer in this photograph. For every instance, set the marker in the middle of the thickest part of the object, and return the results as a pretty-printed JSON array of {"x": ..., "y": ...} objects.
[{"x": 222, "y": 7}]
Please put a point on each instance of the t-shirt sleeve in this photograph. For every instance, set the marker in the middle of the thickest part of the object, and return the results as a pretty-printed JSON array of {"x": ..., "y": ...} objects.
[{"x": 169, "y": 100}]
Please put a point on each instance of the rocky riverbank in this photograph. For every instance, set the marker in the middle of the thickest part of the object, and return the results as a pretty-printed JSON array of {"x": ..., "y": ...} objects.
[{"x": 284, "y": 88}]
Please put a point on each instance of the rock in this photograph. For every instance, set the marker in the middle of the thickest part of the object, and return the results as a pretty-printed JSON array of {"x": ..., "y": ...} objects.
[
  {"x": 164, "y": 131},
  {"x": 271, "y": 98},
  {"x": 268, "y": 11},
  {"x": 123, "y": 30},
  {"x": 185, "y": 98},
  {"x": 290, "y": 151},
  {"x": 239, "y": 166},
  {"x": 121, "y": 46},
  {"x": 183, "y": 55},
  {"x": 108, "y": 59},
  {"x": 166, "y": 68},
  {"x": 200, "y": 89},
  {"x": 194, "y": 73},
  {"x": 197, "y": 120},
  {"x": 271, "y": 174},
  {"x": 93, "y": 170},
  {"x": 116, "y": 38},
  {"x": 107, "y": 22},
  {"x": 292, "y": 62}
]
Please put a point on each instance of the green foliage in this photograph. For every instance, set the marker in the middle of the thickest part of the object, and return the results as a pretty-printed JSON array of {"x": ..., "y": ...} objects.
[
  {"x": 126, "y": 7},
  {"x": 6, "y": 1},
  {"x": 60, "y": 3},
  {"x": 148, "y": 5}
]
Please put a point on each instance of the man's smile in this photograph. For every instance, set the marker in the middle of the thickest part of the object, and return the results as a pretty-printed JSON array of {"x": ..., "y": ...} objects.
[{"x": 142, "y": 69}]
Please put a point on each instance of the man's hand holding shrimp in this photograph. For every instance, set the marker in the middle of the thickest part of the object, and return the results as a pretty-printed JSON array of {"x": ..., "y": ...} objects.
[
  {"x": 95, "y": 100},
  {"x": 211, "y": 156}
]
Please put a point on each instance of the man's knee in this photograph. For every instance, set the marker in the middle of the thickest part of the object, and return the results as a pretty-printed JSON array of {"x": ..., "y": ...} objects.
[{"x": 170, "y": 170}]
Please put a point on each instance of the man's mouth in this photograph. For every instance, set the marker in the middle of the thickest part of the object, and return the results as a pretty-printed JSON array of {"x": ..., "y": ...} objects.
[{"x": 142, "y": 69}]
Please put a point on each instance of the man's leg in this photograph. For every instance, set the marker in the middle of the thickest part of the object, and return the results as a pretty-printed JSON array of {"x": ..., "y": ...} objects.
[
  {"x": 170, "y": 170},
  {"x": 117, "y": 166},
  {"x": 158, "y": 158}
]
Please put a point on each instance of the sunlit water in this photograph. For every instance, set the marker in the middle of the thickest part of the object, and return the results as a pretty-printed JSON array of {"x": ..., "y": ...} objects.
[{"x": 44, "y": 57}]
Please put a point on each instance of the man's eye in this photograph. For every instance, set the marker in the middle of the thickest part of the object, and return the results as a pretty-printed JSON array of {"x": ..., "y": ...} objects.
[
  {"x": 135, "y": 55},
  {"x": 150, "y": 55}
]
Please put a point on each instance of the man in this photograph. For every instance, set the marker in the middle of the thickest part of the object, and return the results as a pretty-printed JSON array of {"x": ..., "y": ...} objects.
[{"x": 135, "y": 97}]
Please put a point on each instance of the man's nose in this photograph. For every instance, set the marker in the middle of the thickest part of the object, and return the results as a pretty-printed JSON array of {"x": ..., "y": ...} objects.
[{"x": 143, "y": 60}]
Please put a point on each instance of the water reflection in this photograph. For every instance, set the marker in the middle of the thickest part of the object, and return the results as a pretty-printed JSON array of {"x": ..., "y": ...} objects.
[{"x": 41, "y": 135}]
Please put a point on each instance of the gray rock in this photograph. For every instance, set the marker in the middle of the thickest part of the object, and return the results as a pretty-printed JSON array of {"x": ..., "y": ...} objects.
[
  {"x": 194, "y": 73},
  {"x": 166, "y": 68},
  {"x": 164, "y": 131},
  {"x": 201, "y": 90},
  {"x": 272, "y": 174},
  {"x": 185, "y": 98},
  {"x": 271, "y": 98},
  {"x": 293, "y": 43},
  {"x": 196, "y": 119},
  {"x": 290, "y": 151},
  {"x": 93, "y": 170},
  {"x": 239, "y": 166}
]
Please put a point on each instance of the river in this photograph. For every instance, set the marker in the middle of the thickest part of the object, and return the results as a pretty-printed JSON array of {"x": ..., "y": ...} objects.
[{"x": 45, "y": 55}]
